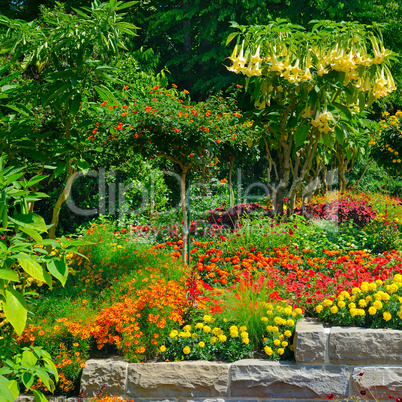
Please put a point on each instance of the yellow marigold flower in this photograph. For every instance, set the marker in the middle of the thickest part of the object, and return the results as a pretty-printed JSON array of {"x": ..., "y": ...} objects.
[
  {"x": 213, "y": 340},
  {"x": 288, "y": 310},
  {"x": 234, "y": 334},
  {"x": 186, "y": 350},
  {"x": 217, "y": 331},
  {"x": 334, "y": 309},
  {"x": 268, "y": 351},
  {"x": 364, "y": 286},
  {"x": 278, "y": 321},
  {"x": 162, "y": 348},
  {"x": 327, "y": 303},
  {"x": 400, "y": 314},
  {"x": 287, "y": 333},
  {"x": 377, "y": 304},
  {"x": 290, "y": 322},
  {"x": 353, "y": 312},
  {"x": 379, "y": 282},
  {"x": 386, "y": 316},
  {"x": 244, "y": 334},
  {"x": 372, "y": 310},
  {"x": 299, "y": 311},
  {"x": 341, "y": 304},
  {"x": 319, "y": 308},
  {"x": 398, "y": 278},
  {"x": 207, "y": 318},
  {"x": 277, "y": 342},
  {"x": 199, "y": 325},
  {"x": 222, "y": 338},
  {"x": 275, "y": 329},
  {"x": 269, "y": 306},
  {"x": 355, "y": 290},
  {"x": 373, "y": 286},
  {"x": 281, "y": 351},
  {"x": 362, "y": 303},
  {"x": 361, "y": 312},
  {"x": 281, "y": 337},
  {"x": 351, "y": 305},
  {"x": 233, "y": 328},
  {"x": 245, "y": 341},
  {"x": 369, "y": 298},
  {"x": 345, "y": 294},
  {"x": 269, "y": 328},
  {"x": 173, "y": 334},
  {"x": 187, "y": 328},
  {"x": 284, "y": 344},
  {"x": 207, "y": 329},
  {"x": 243, "y": 328},
  {"x": 201, "y": 344},
  {"x": 264, "y": 319}
]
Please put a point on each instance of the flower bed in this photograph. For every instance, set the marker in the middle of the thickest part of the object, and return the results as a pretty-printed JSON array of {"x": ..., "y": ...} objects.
[{"x": 241, "y": 297}]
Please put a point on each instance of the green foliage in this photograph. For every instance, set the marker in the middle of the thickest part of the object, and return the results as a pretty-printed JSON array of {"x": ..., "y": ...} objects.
[{"x": 23, "y": 260}]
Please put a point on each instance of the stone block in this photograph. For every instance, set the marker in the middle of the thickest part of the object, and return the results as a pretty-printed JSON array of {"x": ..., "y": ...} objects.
[
  {"x": 177, "y": 379},
  {"x": 286, "y": 380},
  {"x": 310, "y": 342},
  {"x": 382, "y": 381},
  {"x": 363, "y": 346},
  {"x": 109, "y": 372}
]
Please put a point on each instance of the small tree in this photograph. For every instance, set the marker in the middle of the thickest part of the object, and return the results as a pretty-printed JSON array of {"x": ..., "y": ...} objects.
[
  {"x": 306, "y": 84},
  {"x": 163, "y": 123}
]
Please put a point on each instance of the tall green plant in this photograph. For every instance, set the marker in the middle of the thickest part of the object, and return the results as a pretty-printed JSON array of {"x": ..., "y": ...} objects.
[
  {"x": 70, "y": 58},
  {"x": 23, "y": 259}
]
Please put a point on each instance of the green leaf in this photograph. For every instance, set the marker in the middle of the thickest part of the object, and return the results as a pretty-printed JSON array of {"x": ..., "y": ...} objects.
[
  {"x": 32, "y": 233},
  {"x": 14, "y": 388},
  {"x": 39, "y": 397},
  {"x": 51, "y": 242},
  {"x": 34, "y": 180},
  {"x": 28, "y": 379},
  {"x": 30, "y": 221},
  {"x": 344, "y": 109},
  {"x": 301, "y": 135},
  {"x": 32, "y": 268},
  {"x": 51, "y": 367},
  {"x": 75, "y": 104},
  {"x": 329, "y": 140},
  {"x": 59, "y": 269},
  {"x": 231, "y": 37},
  {"x": 339, "y": 135},
  {"x": 83, "y": 166},
  {"x": 126, "y": 5},
  {"x": 105, "y": 94},
  {"x": 9, "y": 275},
  {"x": 15, "y": 309},
  {"x": 5, "y": 390},
  {"x": 44, "y": 376},
  {"x": 28, "y": 358},
  {"x": 20, "y": 108}
]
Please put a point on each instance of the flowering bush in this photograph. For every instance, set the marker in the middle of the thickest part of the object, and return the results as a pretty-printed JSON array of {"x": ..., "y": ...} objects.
[
  {"x": 344, "y": 209},
  {"x": 372, "y": 304}
]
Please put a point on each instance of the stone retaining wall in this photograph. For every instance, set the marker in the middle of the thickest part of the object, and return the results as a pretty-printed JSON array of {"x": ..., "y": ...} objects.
[{"x": 328, "y": 361}]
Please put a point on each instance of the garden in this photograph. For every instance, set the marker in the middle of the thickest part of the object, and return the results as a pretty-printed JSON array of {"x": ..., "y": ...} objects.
[{"x": 144, "y": 220}]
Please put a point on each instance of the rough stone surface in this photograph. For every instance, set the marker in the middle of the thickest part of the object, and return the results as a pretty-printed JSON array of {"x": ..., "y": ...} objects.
[
  {"x": 365, "y": 346},
  {"x": 109, "y": 372},
  {"x": 177, "y": 379},
  {"x": 263, "y": 379},
  {"x": 217, "y": 400},
  {"x": 310, "y": 342},
  {"x": 382, "y": 381}
]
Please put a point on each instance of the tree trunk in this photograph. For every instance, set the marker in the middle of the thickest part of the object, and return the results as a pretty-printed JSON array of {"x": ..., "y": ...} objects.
[
  {"x": 231, "y": 192},
  {"x": 364, "y": 172},
  {"x": 60, "y": 201}
]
